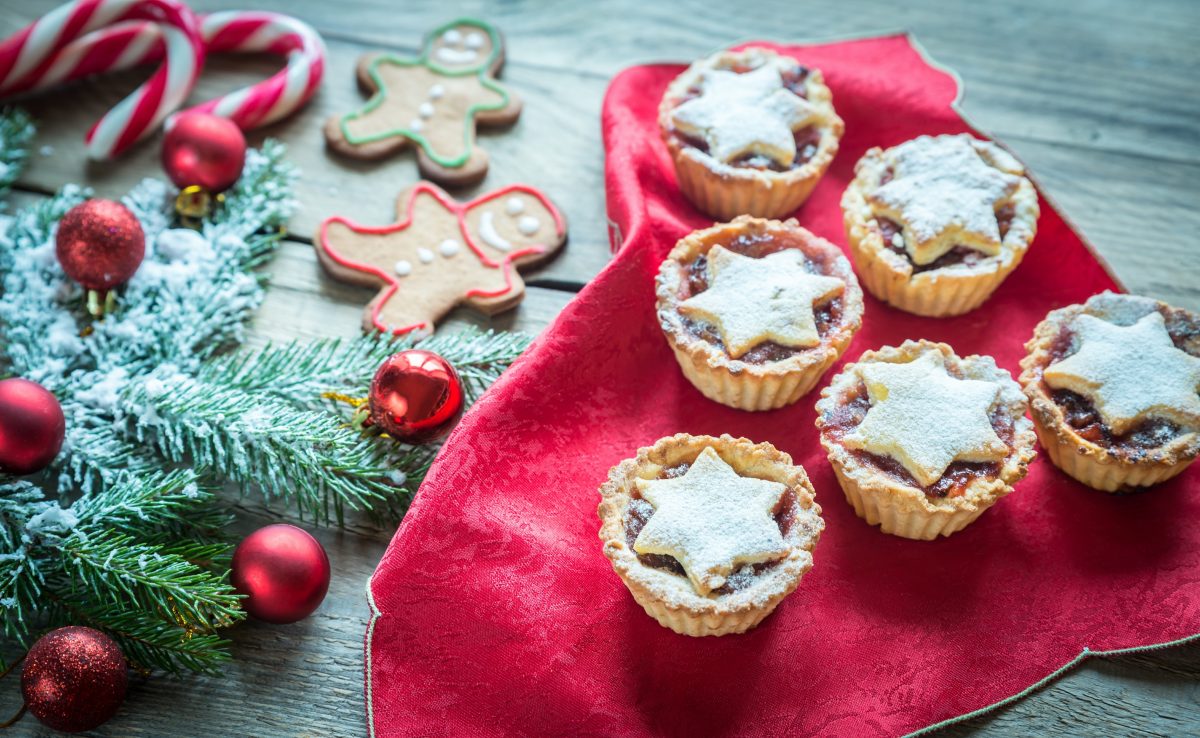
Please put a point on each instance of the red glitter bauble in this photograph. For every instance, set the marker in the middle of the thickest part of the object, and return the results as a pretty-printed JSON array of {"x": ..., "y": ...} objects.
[
  {"x": 100, "y": 244},
  {"x": 416, "y": 396},
  {"x": 74, "y": 679},
  {"x": 283, "y": 571},
  {"x": 31, "y": 426},
  {"x": 204, "y": 150}
]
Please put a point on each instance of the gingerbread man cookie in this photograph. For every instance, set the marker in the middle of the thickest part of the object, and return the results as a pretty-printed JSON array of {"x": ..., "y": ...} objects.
[
  {"x": 442, "y": 253},
  {"x": 433, "y": 102}
]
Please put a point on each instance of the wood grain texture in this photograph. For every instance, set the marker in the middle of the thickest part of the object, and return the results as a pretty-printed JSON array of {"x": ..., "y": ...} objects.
[{"x": 1099, "y": 100}]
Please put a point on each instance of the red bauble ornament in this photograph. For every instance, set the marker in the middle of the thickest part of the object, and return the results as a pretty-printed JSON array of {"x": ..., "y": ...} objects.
[
  {"x": 100, "y": 244},
  {"x": 205, "y": 151},
  {"x": 31, "y": 426},
  {"x": 283, "y": 571},
  {"x": 416, "y": 396},
  {"x": 74, "y": 679}
]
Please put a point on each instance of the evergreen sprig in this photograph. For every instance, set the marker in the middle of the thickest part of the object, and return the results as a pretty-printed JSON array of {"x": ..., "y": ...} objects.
[
  {"x": 121, "y": 559},
  {"x": 109, "y": 535},
  {"x": 16, "y": 130}
]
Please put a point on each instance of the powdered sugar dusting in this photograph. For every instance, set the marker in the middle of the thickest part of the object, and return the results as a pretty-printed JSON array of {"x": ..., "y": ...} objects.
[
  {"x": 741, "y": 114},
  {"x": 1130, "y": 373},
  {"x": 755, "y": 300},
  {"x": 943, "y": 194},
  {"x": 925, "y": 419},
  {"x": 711, "y": 520}
]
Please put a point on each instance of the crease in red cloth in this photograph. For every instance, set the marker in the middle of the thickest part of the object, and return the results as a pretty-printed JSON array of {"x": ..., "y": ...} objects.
[{"x": 497, "y": 613}]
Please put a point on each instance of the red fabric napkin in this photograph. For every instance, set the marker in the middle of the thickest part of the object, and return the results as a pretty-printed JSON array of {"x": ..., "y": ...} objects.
[{"x": 497, "y": 614}]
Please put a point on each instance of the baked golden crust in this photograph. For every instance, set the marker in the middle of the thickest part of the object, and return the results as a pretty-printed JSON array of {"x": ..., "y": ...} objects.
[
  {"x": 742, "y": 384},
  {"x": 951, "y": 290},
  {"x": 724, "y": 191},
  {"x": 900, "y": 508},
  {"x": 670, "y": 598},
  {"x": 1106, "y": 469}
]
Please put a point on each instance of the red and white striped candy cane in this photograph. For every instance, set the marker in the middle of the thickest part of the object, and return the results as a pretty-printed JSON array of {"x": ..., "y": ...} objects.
[
  {"x": 130, "y": 44},
  {"x": 273, "y": 33},
  {"x": 31, "y": 58}
]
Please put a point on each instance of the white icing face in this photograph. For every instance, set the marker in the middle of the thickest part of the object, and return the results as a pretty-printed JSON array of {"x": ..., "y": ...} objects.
[
  {"x": 528, "y": 225},
  {"x": 507, "y": 227},
  {"x": 462, "y": 46},
  {"x": 448, "y": 248},
  {"x": 425, "y": 255},
  {"x": 403, "y": 268},
  {"x": 489, "y": 234}
]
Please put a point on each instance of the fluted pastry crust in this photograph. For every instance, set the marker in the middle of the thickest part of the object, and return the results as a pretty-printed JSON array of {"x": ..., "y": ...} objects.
[{"x": 670, "y": 598}]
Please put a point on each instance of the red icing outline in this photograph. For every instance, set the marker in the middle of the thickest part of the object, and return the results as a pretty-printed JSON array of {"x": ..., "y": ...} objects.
[{"x": 460, "y": 211}]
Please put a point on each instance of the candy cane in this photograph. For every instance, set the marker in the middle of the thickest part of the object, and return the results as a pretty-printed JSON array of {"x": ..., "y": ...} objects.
[
  {"x": 286, "y": 91},
  {"x": 32, "y": 57},
  {"x": 129, "y": 44}
]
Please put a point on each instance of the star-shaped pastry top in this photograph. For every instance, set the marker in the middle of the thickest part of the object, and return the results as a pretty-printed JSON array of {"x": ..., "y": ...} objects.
[
  {"x": 1130, "y": 373},
  {"x": 943, "y": 194},
  {"x": 712, "y": 520},
  {"x": 740, "y": 114},
  {"x": 926, "y": 419},
  {"x": 755, "y": 300}
]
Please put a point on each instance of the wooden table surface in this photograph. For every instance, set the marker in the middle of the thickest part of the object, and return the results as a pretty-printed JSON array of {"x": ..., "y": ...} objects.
[{"x": 1101, "y": 102}]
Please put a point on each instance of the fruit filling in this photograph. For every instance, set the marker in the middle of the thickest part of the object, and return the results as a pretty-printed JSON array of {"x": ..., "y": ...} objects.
[
  {"x": 639, "y": 512},
  {"x": 758, "y": 245},
  {"x": 808, "y": 138},
  {"x": 957, "y": 477},
  {"x": 1081, "y": 414}
]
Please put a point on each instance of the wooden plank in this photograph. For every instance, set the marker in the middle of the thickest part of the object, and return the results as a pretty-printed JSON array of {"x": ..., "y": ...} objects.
[
  {"x": 302, "y": 302},
  {"x": 1101, "y": 105},
  {"x": 1109, "y": 77},
  {"x": 569, "y": 166},
  {"x": 549, "y": 148}
]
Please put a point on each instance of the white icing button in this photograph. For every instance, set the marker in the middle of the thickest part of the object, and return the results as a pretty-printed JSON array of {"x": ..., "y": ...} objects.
[
  {"x": 448, "y": 248},
  {"x": 425, "y": 255},
  {"x": 416, "y": 124},
  {"x": 425, "y": 110},
  {"x": 436, "y": 92},
  {"x": 475, "y": 40},
  {"x": 452, "y": 36},
  {"x": 514, "y": 206},
  {"x": 403, "y": 268},
  {"x": 528, "y": 225}
]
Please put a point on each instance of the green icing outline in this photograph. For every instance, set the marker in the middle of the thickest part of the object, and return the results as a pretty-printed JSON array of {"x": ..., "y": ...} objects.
[{"x": 469, "y": 127}]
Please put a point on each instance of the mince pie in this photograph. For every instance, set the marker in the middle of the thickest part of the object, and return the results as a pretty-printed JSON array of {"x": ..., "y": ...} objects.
[
  {"x": 709, "y": 534},
  {"x": 751, "y": 132},
  {"x": 937, "y": 223},
  {"x": 923, "y": 441},
  {"x": 757, "y": 310},
  {"x": 1115, "y": 390}
]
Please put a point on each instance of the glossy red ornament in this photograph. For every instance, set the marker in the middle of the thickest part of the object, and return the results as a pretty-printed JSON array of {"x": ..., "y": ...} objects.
[
  {"x": 283, "y": 571},
  {"x": 100, "y": 244},
  {"x": 416, "y": 396},
  {"x": 205, "y": 151},
  {"x": 74, "y": 679},
  {"x": 32, "y": 426}
]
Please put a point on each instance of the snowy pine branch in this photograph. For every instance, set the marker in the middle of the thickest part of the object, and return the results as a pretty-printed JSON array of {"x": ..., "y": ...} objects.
[
  {"x": 300, "y": 373},
  {"x": 143, "y": 553},
  {"x": 106, "y": 536},
  {"x": 311, "y": 457},
  {"x": 16, "y": 130}
]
